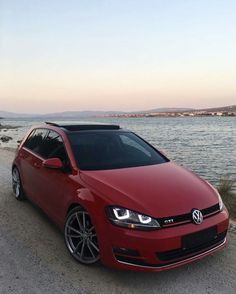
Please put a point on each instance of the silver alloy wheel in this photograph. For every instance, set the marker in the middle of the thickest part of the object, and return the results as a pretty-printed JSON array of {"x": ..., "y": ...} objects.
[
  {"x": 16, "y": 183},
  {"x": 81, "y": 238}
]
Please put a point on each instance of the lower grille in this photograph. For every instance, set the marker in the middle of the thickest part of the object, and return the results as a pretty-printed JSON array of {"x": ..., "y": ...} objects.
[
  {"x": 132, "y": 261},
  {"x": 194, "y": 249}
]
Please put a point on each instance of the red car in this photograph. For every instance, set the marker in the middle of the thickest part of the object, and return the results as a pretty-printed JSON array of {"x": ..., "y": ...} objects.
[{"x": 117, "y": 198}]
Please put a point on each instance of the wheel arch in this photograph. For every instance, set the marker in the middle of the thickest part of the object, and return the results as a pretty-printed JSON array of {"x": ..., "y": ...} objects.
[
  {"x": 14, "y": 166},
  {"x": 72, "y": 206}
]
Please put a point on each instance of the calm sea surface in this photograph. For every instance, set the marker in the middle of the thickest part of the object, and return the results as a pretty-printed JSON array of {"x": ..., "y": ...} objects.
[{"x": 206, "y": 145}]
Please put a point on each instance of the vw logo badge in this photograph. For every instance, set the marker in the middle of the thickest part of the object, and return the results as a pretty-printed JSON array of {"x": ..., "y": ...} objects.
[{"x": 197, "y": 216}]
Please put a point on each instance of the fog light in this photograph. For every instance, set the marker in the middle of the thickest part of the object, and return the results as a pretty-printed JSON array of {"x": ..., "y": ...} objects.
[{"x": 125, "y": 251}]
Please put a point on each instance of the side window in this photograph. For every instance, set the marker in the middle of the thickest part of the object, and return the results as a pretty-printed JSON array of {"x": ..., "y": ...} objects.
[
  {"x": 35, "y": 140},
  {"x": 53, "y": 146},
  {"x": 134, "y": 144},
  {"x": 28, "y": 141}
]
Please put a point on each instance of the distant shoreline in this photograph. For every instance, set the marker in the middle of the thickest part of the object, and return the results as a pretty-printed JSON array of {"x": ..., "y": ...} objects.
[
  {"x": 8, "y": 127},
  {"x": 172, "y": 114},
  {"x": 162, "y": 112},
  {"x": 112, "y": 116}
]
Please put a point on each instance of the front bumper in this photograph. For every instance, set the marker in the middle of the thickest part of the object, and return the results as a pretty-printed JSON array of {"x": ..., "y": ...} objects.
[{"x": 144, "y": 250}]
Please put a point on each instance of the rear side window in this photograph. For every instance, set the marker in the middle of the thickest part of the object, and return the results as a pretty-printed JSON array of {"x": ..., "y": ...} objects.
[{"x": 35, "y": 140}]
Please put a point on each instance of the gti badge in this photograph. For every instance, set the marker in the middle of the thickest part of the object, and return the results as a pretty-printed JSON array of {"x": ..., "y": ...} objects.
[
  {"x": 168, "y": 221},
  {"x": 197, "y": 216}
]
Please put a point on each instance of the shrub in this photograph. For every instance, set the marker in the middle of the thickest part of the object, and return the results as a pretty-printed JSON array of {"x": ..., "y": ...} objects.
[{"x": 228, "y": 194}]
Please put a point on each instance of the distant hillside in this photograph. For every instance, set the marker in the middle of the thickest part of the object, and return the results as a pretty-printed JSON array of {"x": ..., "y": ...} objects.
[
  {"x": 84, "y": 114},
  {"x": 88, "y": 114},
  {"x": 65, "y": 114},
  {"x": 166, "y": 109},
  {"x": 7, "y": 114},
  {"x": 225, "y": 108},
  {"x": 81, "y": 114}
]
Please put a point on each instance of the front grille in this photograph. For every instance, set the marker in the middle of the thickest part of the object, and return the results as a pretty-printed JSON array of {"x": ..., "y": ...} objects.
[
  {"x": 169, "y": 258},
  {"x": 187, "y": 218},
  {"x": 194, "y": 244}
]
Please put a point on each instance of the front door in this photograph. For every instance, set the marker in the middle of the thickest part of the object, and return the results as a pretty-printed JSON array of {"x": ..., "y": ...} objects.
[{"x": 52, "y": 182}]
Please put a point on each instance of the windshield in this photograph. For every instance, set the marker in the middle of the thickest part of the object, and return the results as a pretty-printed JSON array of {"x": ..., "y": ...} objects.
[{"x": 102, "y": 150}]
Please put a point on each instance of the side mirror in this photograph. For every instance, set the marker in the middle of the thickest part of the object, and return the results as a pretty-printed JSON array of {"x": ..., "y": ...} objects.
[{"x": 54, "y": 163}]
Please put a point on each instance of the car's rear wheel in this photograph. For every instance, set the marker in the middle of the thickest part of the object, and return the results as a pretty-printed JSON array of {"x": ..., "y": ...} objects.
[
  {"x": 80, "y": 236},
  {"x": 17, "y": 185}
]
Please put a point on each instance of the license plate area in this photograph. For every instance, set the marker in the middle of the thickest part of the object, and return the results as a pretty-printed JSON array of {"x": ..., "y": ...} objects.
[{"x": 199, "y": 238}]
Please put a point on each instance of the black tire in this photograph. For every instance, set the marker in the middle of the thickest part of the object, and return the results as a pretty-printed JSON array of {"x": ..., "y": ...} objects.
[
  {"x": 80, "y": 236},
  {"x": 17, "y": 184}
]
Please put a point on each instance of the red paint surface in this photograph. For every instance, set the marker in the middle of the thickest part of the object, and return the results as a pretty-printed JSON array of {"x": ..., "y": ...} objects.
[{"x": 157, "y": 190}]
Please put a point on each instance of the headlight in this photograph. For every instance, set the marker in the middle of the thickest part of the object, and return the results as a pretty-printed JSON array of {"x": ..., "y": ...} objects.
[
  {"x": 129, "y": 219},
  {"x": 221, "y": 204}
]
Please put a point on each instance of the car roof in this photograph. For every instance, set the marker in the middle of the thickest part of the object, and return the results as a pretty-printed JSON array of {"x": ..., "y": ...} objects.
[{"x": 83, "y": 127}]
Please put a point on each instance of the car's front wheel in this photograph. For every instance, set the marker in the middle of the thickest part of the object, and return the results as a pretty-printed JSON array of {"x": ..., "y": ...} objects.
[
  {"x": 17, "y": 185},
  {"x": 80, "y": 236}
]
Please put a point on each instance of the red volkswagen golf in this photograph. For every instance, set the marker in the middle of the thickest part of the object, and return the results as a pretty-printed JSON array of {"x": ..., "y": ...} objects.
[{"x": 117, "y": 198}]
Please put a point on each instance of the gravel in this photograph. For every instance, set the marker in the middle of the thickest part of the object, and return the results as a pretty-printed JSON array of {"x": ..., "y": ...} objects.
[{"x": 33, "y": 258}]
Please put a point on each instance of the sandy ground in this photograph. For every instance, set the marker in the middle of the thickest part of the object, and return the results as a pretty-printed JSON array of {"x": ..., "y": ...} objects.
[{"x": 33, "y": 258}]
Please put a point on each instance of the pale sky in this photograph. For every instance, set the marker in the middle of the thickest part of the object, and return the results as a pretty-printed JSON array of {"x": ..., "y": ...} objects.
[{"x": 116, "y": 55}]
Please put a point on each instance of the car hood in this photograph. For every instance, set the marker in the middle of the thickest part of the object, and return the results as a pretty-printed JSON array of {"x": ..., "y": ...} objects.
[{"x": 157, "y": 190}]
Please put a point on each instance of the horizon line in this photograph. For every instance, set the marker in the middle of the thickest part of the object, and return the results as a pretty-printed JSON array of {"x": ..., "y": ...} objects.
[{"x": 123, "y": 111}]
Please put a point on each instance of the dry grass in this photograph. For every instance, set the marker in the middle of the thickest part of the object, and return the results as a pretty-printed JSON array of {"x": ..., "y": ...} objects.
[{"x": 226, "y": 190}]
